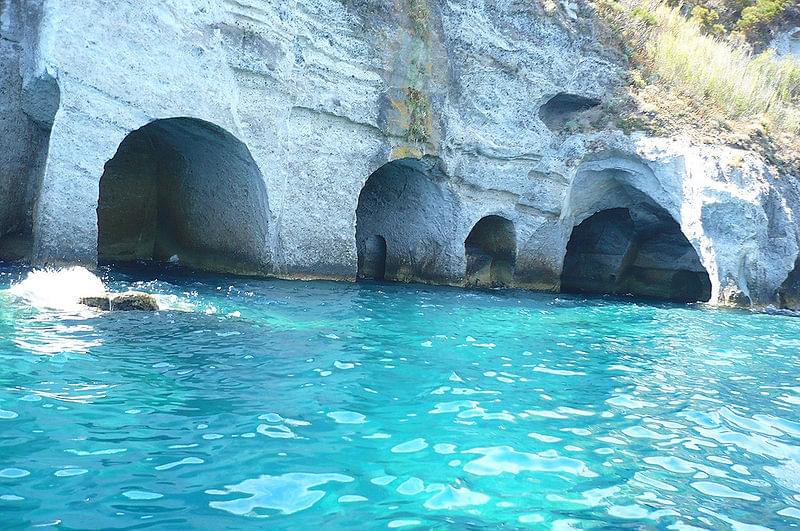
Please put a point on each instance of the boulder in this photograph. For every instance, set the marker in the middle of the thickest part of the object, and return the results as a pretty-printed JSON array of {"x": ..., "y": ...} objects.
[{"x": 133, "y": 300}]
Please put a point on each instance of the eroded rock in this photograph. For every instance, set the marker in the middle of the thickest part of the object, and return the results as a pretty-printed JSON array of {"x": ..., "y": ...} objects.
[
  {"x": 134, "y": 300},
  {"x": 25, "y": 106},
  {"x": 787, "y": 43},
  {"x": 491, "y": 250},
  {"x": 637, "y": 250},
  {"x": 122, "y": 302},
  {"x": 101, "y": 302},
  {"x": 184, "y": 187}
]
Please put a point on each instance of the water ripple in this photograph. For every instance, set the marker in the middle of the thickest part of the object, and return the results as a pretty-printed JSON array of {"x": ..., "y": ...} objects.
[
  {"x": 288, "y": 493},
  {"x": 395, "y": 406}
]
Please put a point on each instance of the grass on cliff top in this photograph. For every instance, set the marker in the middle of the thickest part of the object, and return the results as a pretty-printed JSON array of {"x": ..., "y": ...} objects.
[{"x": 672, "y": 49}]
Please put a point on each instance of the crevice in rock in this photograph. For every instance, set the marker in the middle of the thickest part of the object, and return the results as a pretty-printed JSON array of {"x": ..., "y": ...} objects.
[
  {"x": 491, "y": 252},
  {"x": 184, "y": 190},
  {"x": 407, "y": 206},
  {"x": 564, "y": 107},
  {"x": 27, "y": 111},
  {"x": 637, "y": 251}
]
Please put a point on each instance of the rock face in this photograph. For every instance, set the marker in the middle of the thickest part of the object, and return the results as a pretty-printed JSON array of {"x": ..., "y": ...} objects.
[
  {"x": 491, "y": 251},
  {"x": 344, "y": 138},
  {"x": 184, "y": 187},
  {"x": 789, "y": 292},
  {"x": 787, "y": 42},
  {"x": 29, "y": 99}
]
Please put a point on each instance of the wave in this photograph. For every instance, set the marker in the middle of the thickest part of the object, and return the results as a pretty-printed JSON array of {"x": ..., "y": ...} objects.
[{"x": 58, "y": 289}]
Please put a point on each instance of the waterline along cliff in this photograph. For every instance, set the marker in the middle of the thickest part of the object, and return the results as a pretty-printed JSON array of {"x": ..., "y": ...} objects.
[{"x": 407, "y": 140}]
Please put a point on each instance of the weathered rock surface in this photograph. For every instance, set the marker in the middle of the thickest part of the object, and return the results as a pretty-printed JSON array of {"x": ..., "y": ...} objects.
[
  {"x": 466, "y": 100},
  {"x": 133, "y": 301},
  {"x": 27, "y": 108},
  {"x": 123, "y": 302},
  {"x": 637, "y": 250},
  {"x": 787, "y": 42},
  {"x": 99, "y": 302},
  {"x": 491, "y": 250}
]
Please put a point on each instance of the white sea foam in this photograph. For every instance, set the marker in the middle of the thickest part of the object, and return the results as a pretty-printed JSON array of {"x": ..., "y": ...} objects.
[
  {"x": 61, "y": 290},
  {"x": 176, "y": 303},
  {"x": 58, "y": 289}
]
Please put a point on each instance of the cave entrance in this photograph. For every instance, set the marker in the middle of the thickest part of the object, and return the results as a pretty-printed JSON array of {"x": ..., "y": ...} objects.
[
  {"x": 637, "y": 251},
  {"x": 491, "y": 251},
  {"x": 184, "y": 190},
  {"x": 403, "y": 219},
  {"x": 789, "y": 291},
  {"x": 562, "y": 108}
]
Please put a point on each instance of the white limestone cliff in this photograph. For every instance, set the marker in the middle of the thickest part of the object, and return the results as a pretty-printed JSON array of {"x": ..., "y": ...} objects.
[{"x": 285, "y": 109}]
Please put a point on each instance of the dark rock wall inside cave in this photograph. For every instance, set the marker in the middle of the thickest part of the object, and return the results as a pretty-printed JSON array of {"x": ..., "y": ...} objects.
[
  {"x": 639, "y": 251},
  {"x": 491, "y": 252}
]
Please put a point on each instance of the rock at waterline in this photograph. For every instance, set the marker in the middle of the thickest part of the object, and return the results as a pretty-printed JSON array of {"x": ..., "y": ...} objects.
[
  {"x": 101, "y": 303},
  {"x": 128, "y": 301},
  {"x": 134, "y": 300}
]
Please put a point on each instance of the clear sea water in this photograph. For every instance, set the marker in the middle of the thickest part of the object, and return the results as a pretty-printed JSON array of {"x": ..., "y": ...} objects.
[{"x": 297, "y": 405}]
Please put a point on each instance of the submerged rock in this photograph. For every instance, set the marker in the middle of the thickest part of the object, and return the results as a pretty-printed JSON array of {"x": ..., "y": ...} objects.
[{"x": 134, "y": 300}]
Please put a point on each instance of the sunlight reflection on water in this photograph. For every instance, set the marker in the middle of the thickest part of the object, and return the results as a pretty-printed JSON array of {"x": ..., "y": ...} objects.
[{"x": 311, "y": 403}]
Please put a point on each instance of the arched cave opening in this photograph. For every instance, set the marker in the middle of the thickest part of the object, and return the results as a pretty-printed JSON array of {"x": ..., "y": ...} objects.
[
  {"x": 403, "y": 217},
  {"x": 563, "y": 107},
  {"x": 637, "y": 251},
  {"x": 184, "y": 190},
  {"x": 491, "y": 252}
]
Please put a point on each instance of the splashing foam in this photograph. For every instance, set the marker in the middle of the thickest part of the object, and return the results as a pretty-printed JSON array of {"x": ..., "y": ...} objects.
[{"x": 58, "y": 289}]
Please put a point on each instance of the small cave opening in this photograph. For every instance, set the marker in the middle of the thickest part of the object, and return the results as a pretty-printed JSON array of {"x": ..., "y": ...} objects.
[
  {"x": 491, "y": 252},
  {"x": 789, "y": 291},
  {"x": 373, "y": 262},
  {"x": 638, "y": 251},
  {"x": 184, "y": 191},
  {"x": 403, "y": 217},
  {"x": 564, "y": 107}
]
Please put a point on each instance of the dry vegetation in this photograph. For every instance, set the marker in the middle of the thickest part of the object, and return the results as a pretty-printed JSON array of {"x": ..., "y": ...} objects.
[{"x": 705, "y": 82}]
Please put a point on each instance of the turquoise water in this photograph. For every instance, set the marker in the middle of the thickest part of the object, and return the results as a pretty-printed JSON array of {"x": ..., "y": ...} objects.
[{"x": 300, "y": 404}]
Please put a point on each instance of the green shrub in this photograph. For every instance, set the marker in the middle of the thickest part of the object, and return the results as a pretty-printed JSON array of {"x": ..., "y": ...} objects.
[
  {"x": 755, "y": 18},
  {"x": 708, "y": 19}
]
